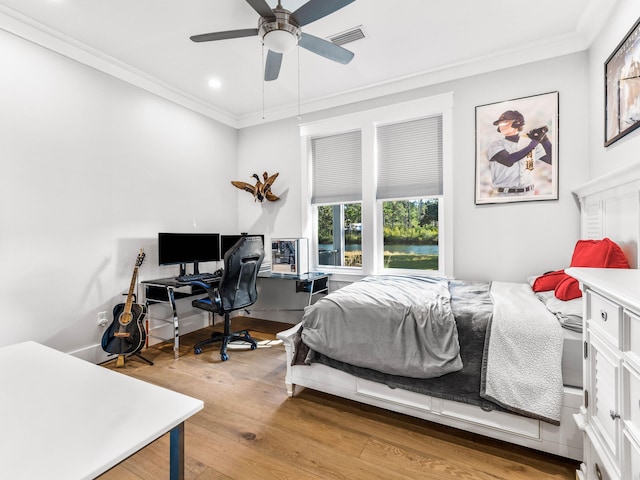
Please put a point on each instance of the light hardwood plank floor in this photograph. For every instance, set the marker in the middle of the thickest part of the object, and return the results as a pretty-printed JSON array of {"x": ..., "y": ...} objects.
[{"x": 251, "y": 429}]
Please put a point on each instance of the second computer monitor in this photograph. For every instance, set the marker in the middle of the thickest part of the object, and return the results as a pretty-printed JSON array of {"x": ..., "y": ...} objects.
[{"x": 228, "y": 241}]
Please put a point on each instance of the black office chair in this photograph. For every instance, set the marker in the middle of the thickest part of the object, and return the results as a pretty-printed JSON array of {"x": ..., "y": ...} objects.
[{"x": 236, "y": 290}]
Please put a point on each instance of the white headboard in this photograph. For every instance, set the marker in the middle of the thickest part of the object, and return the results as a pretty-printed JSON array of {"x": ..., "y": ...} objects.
[{"x": 610, "y": 207}]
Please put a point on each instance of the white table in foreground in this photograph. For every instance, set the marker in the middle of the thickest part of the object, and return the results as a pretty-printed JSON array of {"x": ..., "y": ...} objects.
[{"x": 65, "y": 418}]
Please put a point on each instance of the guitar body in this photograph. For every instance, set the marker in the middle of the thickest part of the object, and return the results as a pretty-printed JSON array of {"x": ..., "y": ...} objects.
[{"x": 125, "y": 335}]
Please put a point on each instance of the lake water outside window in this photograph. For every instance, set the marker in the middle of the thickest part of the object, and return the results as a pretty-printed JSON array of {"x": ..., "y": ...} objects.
[{"x": 410, "y": 234}]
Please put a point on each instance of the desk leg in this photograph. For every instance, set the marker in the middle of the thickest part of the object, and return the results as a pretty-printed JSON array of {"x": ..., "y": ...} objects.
[
  {"x": 176, "y": 453},
  {"x": 313, "y": 286},
  {"x": 176, "y": 325}
]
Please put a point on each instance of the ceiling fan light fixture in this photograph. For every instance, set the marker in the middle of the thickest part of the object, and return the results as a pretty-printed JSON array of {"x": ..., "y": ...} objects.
[
  {"x": 280, "y": 41},
  {"x": 280, "y": 31}
]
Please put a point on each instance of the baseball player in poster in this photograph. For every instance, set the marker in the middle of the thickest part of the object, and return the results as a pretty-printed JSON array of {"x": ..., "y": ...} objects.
[{"x": 512, "y": 157}]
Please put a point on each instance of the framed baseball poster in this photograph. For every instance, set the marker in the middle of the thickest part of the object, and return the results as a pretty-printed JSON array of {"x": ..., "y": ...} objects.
[
  {"x": 622, "y": 88},
  {"x": 517, "y": 150}
]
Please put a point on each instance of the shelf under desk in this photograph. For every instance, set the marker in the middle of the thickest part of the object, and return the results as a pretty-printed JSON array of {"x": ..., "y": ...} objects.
[{"x": 313, "y": 283}]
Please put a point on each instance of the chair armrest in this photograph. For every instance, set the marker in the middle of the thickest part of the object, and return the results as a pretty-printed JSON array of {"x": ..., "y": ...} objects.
[
  {"x": 212, "y": 292},
  {"x": 199, "y": 283}
]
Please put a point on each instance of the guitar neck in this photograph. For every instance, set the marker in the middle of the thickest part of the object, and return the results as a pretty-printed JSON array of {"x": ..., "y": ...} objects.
[{"x": 127, "y": 305}]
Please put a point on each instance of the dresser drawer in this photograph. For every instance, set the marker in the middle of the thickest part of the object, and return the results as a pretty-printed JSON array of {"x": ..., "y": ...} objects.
[{"x": 604, "y": 315}]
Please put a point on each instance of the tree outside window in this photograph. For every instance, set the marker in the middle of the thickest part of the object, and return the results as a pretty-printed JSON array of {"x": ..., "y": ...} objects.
[{"x": 410, "y": 234}]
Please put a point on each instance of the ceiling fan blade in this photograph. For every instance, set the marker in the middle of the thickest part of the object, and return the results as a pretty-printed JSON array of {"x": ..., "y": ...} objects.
[
  {"x": 326, "y": 49},
  {"x": 316, "y": 9},
  {"x": 262, "y": 7},
  {"x": 272, "y": 67},
  {"x": 209, "y": 37}
]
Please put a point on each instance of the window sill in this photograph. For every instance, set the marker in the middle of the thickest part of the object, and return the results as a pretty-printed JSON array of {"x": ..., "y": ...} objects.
[{"x": 352, "y": 275}]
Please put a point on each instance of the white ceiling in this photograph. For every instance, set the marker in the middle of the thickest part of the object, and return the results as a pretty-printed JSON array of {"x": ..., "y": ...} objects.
[{"x": 408, "y": 43}]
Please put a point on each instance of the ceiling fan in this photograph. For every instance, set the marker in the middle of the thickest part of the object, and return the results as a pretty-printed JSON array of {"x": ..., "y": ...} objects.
[{"x": 279, "y": 30}]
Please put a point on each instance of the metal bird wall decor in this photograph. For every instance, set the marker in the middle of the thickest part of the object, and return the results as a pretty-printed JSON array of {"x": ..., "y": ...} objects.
[{"x": 262, "y": 188}]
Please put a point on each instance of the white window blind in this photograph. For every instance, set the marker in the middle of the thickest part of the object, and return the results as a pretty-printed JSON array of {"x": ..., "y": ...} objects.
[
  {"x": 337, "y": 168},
  {"x": 410, "y": 158}
]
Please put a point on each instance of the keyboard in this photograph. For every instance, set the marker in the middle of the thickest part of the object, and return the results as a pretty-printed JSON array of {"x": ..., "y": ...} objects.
[{"x": 203, "y": 277}]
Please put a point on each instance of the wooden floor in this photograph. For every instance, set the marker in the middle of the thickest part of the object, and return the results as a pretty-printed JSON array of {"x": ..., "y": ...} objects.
[{"x": 250, "y": 429}]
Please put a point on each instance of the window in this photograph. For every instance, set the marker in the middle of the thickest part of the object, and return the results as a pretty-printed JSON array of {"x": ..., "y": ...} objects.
[
  {"x": 378, "y": 190},
  {"x": 409, "y": 166},
  {"x": 339, "y": 230},
  {"x": 337, "y": 177}
]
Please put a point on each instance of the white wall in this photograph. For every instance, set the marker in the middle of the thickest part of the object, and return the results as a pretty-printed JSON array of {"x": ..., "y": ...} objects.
[
  {"x": 624, "y": 151},
  {"x": 513, "y": 241},
  {"x": 499, "y": 242},
  {"x": 92, "y": 169},
  {"x": 273, "y": 147}
]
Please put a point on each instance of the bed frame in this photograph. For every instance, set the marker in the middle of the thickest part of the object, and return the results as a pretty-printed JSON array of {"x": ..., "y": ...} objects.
[
  {"x": 610, "y": 207},
  {"x": 564, "y": 440}
]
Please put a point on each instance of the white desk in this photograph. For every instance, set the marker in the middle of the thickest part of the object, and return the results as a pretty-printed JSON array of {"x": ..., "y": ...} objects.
[{"x": 65, "y": 418}]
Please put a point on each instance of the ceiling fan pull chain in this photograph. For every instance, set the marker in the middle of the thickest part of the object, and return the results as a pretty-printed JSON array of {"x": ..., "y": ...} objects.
[
  {"x": 263, "y": 82},
  {"x": 299, "y": 116}
]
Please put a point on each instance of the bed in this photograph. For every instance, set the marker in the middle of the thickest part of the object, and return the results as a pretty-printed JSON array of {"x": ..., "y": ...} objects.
[
  {"x": 609, "y": 207},
  {"x": 447, "y": 384}
]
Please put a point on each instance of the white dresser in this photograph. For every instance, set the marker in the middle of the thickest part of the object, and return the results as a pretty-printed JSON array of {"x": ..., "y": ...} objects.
[{"x": 610, "y": 414}]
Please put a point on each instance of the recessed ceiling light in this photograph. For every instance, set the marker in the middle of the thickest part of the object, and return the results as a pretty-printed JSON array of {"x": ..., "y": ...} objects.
[{"x": 215, "y": 83}]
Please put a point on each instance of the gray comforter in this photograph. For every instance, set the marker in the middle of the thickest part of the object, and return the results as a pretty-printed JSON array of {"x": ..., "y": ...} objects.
[
  {"x": 516, "y": 369},
  {"x": 398, "y": 325}
]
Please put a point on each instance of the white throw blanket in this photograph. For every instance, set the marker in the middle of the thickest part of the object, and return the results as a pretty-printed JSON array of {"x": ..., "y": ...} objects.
[{"x": 523, "y": 365}]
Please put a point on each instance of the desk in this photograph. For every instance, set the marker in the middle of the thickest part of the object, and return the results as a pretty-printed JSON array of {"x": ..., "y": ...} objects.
[
  {"x": 167, "y": 290},
  {"x": 313, "y": 283},
  {"x": 65, "y": 418}
]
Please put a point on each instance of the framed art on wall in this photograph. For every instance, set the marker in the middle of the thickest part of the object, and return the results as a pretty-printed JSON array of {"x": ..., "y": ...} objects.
[
  {"x": 517, "y": 150},
  {"x": 622, "y": 87}
]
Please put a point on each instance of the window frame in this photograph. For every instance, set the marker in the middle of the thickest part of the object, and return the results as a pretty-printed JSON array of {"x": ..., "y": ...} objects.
[{"x": 367, "y": 121}]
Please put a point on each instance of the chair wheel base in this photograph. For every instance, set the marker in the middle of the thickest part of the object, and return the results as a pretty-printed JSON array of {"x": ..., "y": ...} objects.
[
  {"x": 224, "y": 357},
  {"x": 197, "y": 350}
]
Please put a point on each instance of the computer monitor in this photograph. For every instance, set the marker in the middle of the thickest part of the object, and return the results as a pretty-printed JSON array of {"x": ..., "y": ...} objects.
[
  {"x": 183, "y": 248},
  {"x": 228, "y": 241}
]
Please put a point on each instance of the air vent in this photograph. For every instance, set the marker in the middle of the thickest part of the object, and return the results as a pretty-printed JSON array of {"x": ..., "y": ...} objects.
[{"x": 349, "y": 36}]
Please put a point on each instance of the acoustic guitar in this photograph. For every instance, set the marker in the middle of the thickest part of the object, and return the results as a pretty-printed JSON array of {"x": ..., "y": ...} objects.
[{"x": 126, "y": 334}]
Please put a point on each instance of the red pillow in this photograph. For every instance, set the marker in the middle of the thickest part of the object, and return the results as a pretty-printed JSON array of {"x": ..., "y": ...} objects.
[
  {"x": 599, "y": 254},
  {"x": 590, "y": 253},
  {"x": 549, "y": 281},
  {"x": 568, "y": 289}
]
